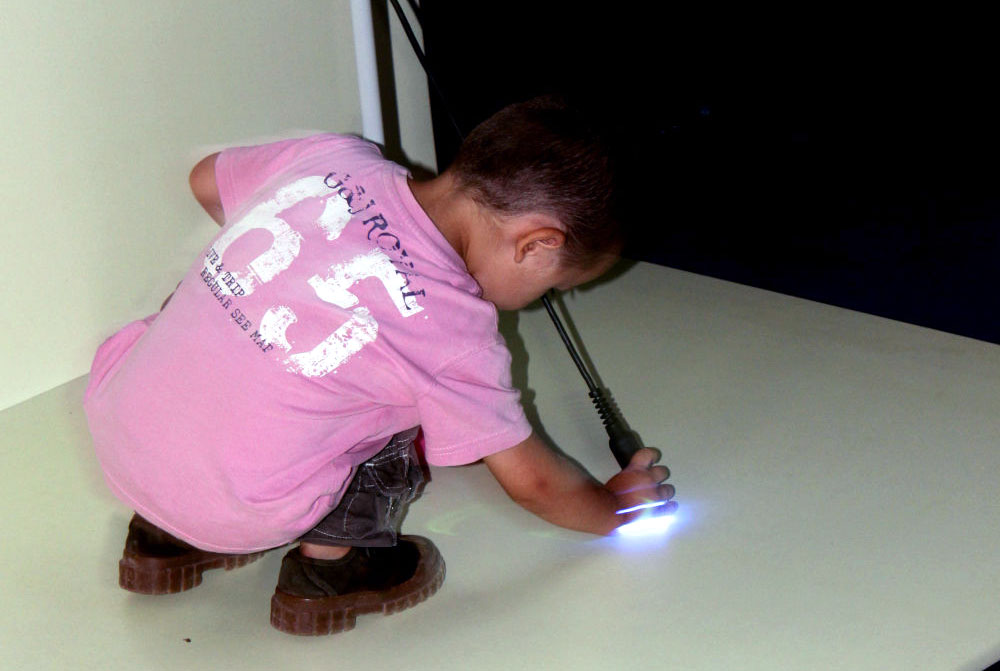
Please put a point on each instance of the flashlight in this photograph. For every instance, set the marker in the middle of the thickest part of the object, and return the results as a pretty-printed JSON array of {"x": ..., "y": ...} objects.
[{"x": 623, "y": 442}]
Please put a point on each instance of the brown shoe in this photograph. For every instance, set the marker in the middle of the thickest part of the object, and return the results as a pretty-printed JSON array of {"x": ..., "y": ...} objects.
[
  {"x": 154, "y": 562},
  {"x": 318, "y": 596}
]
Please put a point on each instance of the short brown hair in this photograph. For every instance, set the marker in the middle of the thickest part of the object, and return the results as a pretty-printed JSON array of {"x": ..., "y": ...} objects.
[{"x": 545, "y": 155}]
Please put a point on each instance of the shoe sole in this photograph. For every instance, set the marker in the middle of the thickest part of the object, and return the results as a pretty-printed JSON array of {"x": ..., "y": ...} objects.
[
  {"x": 156, "y": 575},
  {"x": 304, "y": 616}
]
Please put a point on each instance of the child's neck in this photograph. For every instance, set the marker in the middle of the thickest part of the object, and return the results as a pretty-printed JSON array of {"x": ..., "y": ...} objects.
[{"x": 450, "y": 209}]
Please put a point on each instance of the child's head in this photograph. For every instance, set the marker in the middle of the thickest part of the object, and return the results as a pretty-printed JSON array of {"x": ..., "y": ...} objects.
[
  {"x": 547, "y": 160},
  {"x": 545, "y": 156}
]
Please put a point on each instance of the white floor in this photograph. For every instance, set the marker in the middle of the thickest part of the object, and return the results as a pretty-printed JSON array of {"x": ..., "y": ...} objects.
[{"x": 836, "y": 474}]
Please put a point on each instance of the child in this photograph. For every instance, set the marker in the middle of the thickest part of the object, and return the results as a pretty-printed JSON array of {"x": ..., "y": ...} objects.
[{"x": 278, "y": 394}]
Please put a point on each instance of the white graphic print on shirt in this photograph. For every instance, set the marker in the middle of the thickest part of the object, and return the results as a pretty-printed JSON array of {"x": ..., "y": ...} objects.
[{"x": 362, "y": 328}]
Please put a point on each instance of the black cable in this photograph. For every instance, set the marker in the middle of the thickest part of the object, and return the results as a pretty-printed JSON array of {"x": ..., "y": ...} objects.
[
  {"x": 423, "y": 63},
  {"x": 417, "y": 11},
  {"x": 623, "y": 441},
  {"x": 591, "y": 385}
]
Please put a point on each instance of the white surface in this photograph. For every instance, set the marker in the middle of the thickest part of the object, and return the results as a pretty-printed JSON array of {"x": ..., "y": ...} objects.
[{"x": 835, "y": 472}]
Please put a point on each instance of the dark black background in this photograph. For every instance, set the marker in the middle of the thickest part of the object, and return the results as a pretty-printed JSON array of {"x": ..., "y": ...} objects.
[{"x": 829, "y": 153}]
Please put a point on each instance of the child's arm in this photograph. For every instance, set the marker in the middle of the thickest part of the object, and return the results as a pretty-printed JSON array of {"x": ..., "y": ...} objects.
[
  {"x": 557, "y": 490},
  {"x": 205, "y": 190}
]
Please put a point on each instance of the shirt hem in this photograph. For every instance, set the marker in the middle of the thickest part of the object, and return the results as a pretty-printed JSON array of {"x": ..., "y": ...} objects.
[
  {"x": 462, "y": 456},
  {"x": 157, "y": 521}
]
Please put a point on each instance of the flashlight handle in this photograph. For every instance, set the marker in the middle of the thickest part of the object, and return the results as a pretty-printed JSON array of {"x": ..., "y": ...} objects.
[{"x": 623, "y": 442}]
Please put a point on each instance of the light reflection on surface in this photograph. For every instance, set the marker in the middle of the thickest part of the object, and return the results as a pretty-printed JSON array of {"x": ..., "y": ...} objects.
[
  {"x": 647, "y": 525},
  {"x": 653, "y": 530}
]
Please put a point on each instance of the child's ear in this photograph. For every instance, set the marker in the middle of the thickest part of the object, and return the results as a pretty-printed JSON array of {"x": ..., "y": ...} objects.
[{"x": 538, "y": 240}]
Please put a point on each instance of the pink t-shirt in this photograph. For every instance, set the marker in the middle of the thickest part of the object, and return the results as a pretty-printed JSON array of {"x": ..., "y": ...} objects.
[{"x": 328, "y": 315}]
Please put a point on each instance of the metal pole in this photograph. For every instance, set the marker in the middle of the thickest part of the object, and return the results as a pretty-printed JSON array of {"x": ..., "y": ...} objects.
[{"x": 364, "y": 56}]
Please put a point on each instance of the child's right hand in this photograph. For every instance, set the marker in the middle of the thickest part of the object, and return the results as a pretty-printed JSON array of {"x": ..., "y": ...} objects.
[
  {"x": 556, "y": 489},
  {"x": 640, "y": 484}
]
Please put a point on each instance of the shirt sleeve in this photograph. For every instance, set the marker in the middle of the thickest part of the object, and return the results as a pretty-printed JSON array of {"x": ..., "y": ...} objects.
[
  {"x": 472, "y": 410},
  {"x": 241, "y": 171}
]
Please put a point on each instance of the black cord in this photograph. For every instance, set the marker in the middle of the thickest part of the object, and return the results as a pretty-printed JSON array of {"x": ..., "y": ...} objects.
[
  {"x": 591, "y": 385},
  {"x": 423, "y": 63},
  {"x": 417, "y": 11}
]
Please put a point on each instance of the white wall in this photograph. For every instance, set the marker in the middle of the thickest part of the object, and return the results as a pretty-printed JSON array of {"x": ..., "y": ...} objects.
[{"x": 104, "y": 108}]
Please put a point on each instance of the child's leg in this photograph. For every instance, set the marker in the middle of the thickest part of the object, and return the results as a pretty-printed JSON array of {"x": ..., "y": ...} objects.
[
  {"x": 354, "y": 561},
  {"x": 328, "y": 552},
  {"x": 372, "y": 509},
  {"x": 154, "y": 562}
]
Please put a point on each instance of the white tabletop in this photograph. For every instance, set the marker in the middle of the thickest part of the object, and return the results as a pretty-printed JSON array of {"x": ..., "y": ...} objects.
[{"x": 835, "y": 473}]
